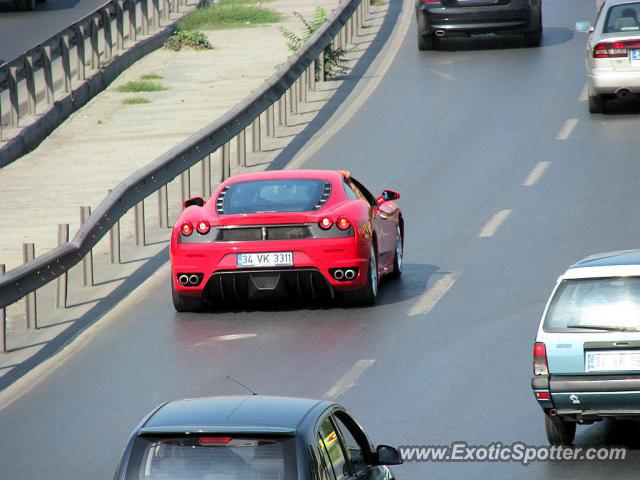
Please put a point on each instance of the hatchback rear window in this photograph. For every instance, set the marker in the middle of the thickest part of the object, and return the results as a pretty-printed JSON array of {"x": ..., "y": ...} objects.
[
  {"x": 623, "y": 18},
  {"x": 212, "y": 458},
  {"x": 263, "y": 196},
  {"x": 588, "y": 303}
]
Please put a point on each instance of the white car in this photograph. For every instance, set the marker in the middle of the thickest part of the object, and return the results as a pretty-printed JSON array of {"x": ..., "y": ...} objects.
[{"x": 613, "y": 52}]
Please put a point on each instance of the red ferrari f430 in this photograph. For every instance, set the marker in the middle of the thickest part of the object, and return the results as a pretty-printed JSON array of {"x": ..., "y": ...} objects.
[{"x": 304, "y": 233}]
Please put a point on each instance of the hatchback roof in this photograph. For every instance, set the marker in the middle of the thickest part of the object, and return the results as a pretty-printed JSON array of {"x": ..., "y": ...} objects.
[
  {"x": 252, "y": 413},
  {"x": 608, "y": 264}
]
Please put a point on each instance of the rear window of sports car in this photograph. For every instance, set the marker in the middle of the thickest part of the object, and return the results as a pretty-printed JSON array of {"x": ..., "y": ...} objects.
[{"x": 265, "y": 196}]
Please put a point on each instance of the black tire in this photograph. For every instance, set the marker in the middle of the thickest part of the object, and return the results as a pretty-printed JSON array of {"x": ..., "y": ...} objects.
[
  {"x": 25, "y": 5},
  {"x": 367, "y": 295},
  {"x": 533, "y": 39},
  {"x": 596, "y": 103},
  {"x": 397, "y": 261},
  {"x": 559, "y": 431},
  {"x": 183, "y": 303},
  {"x": 426, "y": 42}
]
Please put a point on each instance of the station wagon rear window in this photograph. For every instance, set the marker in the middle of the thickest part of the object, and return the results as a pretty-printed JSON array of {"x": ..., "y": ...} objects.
[
  {"x": 209, "y": 457},
  {"x": 585, "y": 304},
  {"x": 623, "y": 18},
  {"x": 265, "y": 196}
]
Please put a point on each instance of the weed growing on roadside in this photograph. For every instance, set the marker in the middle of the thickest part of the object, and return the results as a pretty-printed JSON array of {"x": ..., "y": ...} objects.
[
  {"x": 137, "y": 86},
  {"x": 228, "y": 14},
  {"x": 334, "y": 58},
  {"x": 187, "y": 38},
  {"x": 135, "y": 101},
  {"x": 151, "y": 76}
]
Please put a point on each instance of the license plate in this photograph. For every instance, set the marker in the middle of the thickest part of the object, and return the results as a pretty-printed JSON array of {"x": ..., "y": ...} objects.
[
  {"x": 269, "y": 259},
  {"x": 634, "y": 54},
  {"x": 612, "y": 361}
]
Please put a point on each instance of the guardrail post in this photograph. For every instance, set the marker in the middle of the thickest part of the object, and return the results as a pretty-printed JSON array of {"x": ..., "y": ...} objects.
[
  {"x": 93, "y": 41},
  {"x": 155, "y": 14},
  {"x": 300, "y": 88},
  {"x": 242, "y": 148},
  {"x": 225, "y": 160},
  {"x": 282, "y": 110},
  {"x": 293, "y": 98},
  {"x": 114, "y": 243},
  {"x": 87, "y": 260},
  {"x": 66, "y": 63},
  {"x": 312, "y": 76},
  {"x": 63, "y": 280},
  {"x": 3, "y": 319},
  {"x": 30, "y": 304},
  {"x": 185, "y": 185},
  {"x": 108, "y": 37},
  {"x": 119, "y": 6},
  {"x": 163, "y": 207},
  {"x": 321, "y": 77},
  {"x": 31, "y": 84},
  {"x": 82, "y": 62},
  {"x": 14, "y": 102},
  {"x": 256, "y": 143},
  {"x": 271, "y": 120},
  {"x": 206, "y": 177},
  {"x": 165, "y": 10},
  {"x": 48, "y": 73},
  {"x": 138, "y": 214},
  {"x": 133, "y": 21},
  {"x": 144, "y": 5}
]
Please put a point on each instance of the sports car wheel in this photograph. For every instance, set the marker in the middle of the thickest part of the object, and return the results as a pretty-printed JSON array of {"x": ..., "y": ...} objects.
[
  {"x": 397, "y": 261},
  {"x": 183, "y": 303},
  {"x": 368, "y": 294}
]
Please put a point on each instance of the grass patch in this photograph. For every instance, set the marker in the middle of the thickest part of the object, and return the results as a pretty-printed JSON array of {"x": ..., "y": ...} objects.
[
  {"x": 228, "y": 14},
  {"x": 135, "y": 101},
  {"x": 137, "y": 86},
  {"x": 151, "y": 76},
  {"x": 187, "y": 38},
  {"x": 378, "y": 3}
]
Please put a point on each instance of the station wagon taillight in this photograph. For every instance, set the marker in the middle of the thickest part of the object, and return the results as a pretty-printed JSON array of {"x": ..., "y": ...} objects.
[
  {"x": 540, "y": 366},
  {"x": 611, "y": 49}
]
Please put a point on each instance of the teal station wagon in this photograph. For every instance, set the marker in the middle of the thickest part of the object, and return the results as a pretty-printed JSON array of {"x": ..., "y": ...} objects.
[{"x": 586, "y": 358}]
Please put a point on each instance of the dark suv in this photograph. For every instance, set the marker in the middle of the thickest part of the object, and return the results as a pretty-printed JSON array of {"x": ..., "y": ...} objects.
[{"x": 440, "y": 18}]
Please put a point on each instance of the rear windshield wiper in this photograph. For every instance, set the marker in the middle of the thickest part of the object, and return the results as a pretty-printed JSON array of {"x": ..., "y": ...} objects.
[{"x": 610, "y": 328}]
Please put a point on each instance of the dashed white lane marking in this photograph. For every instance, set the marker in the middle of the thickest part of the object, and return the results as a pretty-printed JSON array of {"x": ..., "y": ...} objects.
[
  {"x": 432, "y": 295},
  {"x": 494, "y": 223},
  {"x": 584, "y": 95},
  {"x": 535, "y": 174},
  {"x": 226, "y": 338},
  {"x": 349, "y": 379},
  {"x": 567, "y": 128}
]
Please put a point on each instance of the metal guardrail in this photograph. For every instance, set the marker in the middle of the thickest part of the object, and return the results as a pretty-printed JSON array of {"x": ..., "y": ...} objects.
[
  {"x": 32, "y": 82},
  {"x": 286, "y": 88}
]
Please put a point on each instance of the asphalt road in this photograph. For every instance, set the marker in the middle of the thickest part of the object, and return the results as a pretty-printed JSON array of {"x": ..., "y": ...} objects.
[
  {"x": 21, "y": 31},
  {"x": 459, "y": 133}
]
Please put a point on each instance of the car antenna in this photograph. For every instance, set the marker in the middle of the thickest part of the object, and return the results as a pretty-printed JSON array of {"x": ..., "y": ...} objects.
[{"x": 242, "y": 385}]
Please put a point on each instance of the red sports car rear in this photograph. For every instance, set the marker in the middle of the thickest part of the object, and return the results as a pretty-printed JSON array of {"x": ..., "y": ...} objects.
[{"x": 303, "y": 233}]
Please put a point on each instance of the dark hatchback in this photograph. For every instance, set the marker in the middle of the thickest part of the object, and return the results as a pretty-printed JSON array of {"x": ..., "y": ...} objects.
[
  {"x": 253, "y": 438},
  {"x": 445, "y": 18}
]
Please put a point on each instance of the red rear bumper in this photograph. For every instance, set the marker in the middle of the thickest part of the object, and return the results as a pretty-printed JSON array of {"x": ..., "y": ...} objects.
[{"x": 214, "y": 259}]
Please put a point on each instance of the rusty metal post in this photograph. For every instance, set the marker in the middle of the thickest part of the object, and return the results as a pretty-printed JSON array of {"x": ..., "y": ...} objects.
[
  {"x": 30, "y": 303},
  {"x": 185, "y": 185},
  {"x": 66, "y": 63},
  {"x": 271, "y": 120},
  {"x": 242, "y": 148},
  {"x": 62, "y": 281},
  {"x": 282, "y": 111},
  {"x": 138, "y": 214},
  {"x": 82, "y": 61},
  {"x": 108, "y": 36},
  {"x": 163, "y": 206},
  {"x": 93, "y": 41},
  {"x": 30, "y": 78},
  {"x": 87, "y": 261},
  {"x": 14, "y": 102},
  {"x": 256, "y": 144},
  {"x": 225, "y": 160},
  {"x": 119, "y": 5},
  {"x": 206, "y": 177}
]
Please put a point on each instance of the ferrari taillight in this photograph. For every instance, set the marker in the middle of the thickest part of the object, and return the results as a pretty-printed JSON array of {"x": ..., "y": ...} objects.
[
  {"x": 343, "y": 223},
  {"x": 203, "y": 227},
  {"x": 186, "y": 229},
  {"x": 325, "y": 223}
]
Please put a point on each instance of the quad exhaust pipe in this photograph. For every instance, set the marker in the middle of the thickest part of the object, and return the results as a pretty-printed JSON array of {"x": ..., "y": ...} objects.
[
  {"x": 344, "y": 274},
  {"x": 183, "y": 279},
  {"x": 338, "y": 274},
  {"x": 350, "y": 274}
]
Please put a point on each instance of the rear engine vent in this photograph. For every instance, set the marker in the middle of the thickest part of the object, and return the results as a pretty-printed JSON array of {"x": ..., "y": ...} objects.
[
  {"x": 220, "y": 201},
  {"x": 325, "y": 196}
]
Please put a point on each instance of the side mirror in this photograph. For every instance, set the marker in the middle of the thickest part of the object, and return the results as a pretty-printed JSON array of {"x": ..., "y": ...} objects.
[
  {"x": 199, "y": 201},
  {"x": 584, "y": 27},
  {"x": 389, "y": 195},
  {"x": 386, "y": 455}
]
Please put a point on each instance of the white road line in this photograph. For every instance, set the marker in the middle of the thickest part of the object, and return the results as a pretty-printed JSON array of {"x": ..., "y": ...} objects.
[
  {"x": 535, "y": 174},
  {"x": 494, "y": 223},
  {"x": 432, "y": 295},
  {"x": 584, "y": 95},
  {"x": 567, "y": 128},
  {"x": 226, "y": 338},
  {"x": 348, "y": 380}
]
